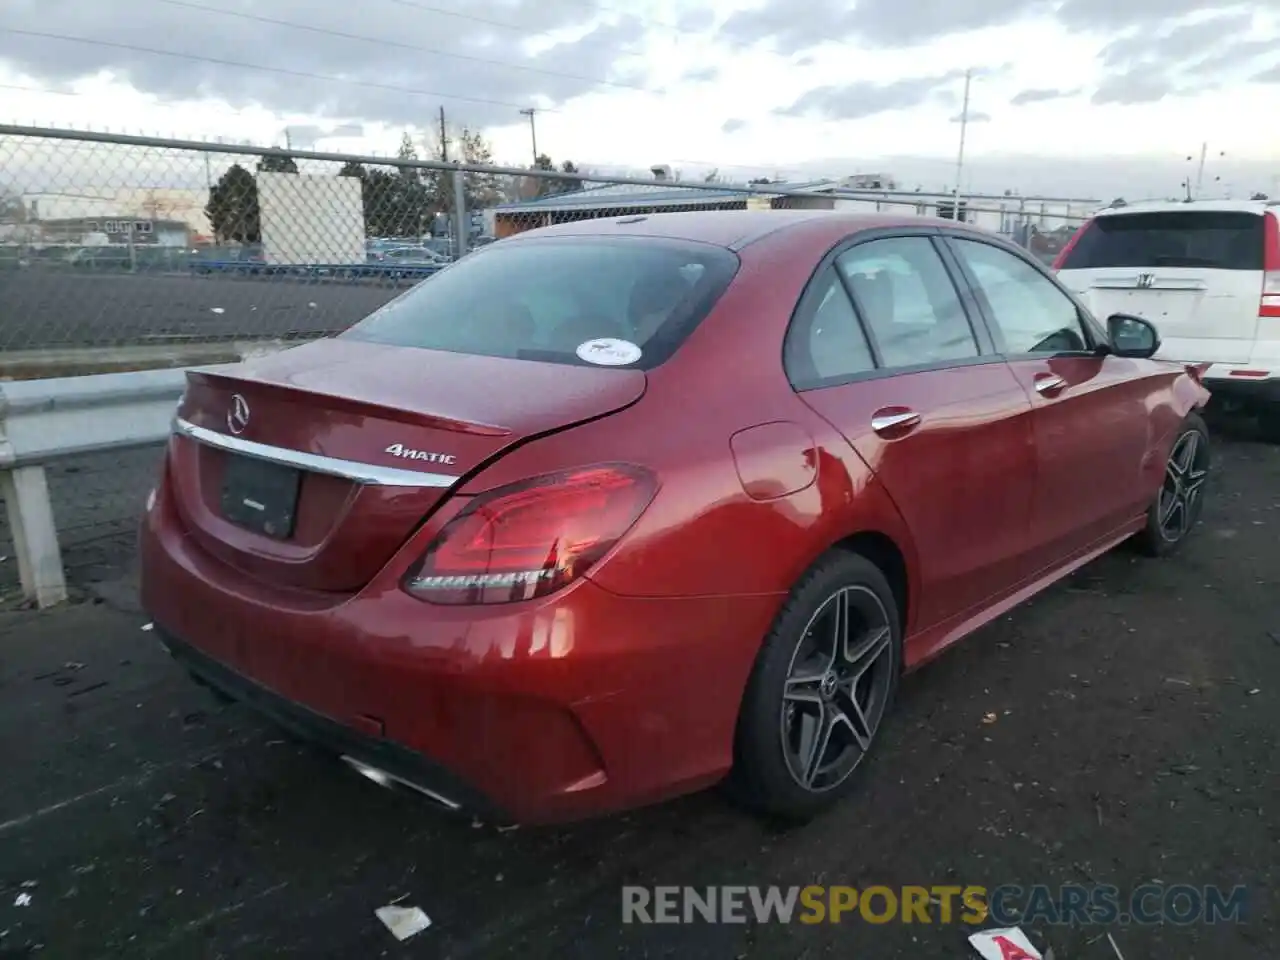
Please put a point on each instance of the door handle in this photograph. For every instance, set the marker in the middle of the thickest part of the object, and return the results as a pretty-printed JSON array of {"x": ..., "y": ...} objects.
[
  {"x": 1047, "y": 386},
  {"x": 899, "y": 422}
]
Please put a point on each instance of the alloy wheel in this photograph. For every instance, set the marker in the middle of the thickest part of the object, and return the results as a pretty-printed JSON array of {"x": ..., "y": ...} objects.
[
  {"x": 1184, "y": 477},
  {"x": 837, "y": 687}
]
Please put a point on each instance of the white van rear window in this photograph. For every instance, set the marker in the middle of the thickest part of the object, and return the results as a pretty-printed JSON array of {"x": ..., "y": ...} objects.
[{"x": 1217, "y": 240}]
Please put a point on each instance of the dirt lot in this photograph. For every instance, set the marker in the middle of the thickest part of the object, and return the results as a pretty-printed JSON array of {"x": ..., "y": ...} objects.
[{"x": 1133, "y": 741}]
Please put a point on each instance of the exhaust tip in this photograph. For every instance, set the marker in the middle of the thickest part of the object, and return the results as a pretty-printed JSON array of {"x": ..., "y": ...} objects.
[{"x": 391, "y": 782}]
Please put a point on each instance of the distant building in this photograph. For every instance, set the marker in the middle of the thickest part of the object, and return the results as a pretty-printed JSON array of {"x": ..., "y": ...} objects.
[
  {"x": 157, "y": 205},
  {"x": 117, "y": 229}
]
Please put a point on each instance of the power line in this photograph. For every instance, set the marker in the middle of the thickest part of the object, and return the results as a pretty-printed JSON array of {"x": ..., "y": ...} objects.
[
  {"x": 325, "y": 31},
  {"x": 282, "y": 71}
]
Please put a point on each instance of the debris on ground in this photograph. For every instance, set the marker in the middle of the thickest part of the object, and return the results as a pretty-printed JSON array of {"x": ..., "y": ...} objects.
[
  {"x": 403, "y": 922},
  {"x": 1004, "y": 943}
]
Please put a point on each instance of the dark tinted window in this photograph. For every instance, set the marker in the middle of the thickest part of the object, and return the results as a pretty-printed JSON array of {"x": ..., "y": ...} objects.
[
  {"x": 1190, "y": 238},
  {"x": 544, "y": 299},
  {"x": 908, "y": 302},
  {"x": 826, "y": 342}
]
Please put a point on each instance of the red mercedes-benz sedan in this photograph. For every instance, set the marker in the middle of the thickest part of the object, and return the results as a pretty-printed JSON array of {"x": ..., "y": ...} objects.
[{"x": 616, "y": 510}]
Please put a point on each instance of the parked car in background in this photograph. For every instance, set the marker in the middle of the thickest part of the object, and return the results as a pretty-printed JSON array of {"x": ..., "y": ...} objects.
[
  {"x": 616, "y": 510},
  {"x": 1206, "y": 274}
]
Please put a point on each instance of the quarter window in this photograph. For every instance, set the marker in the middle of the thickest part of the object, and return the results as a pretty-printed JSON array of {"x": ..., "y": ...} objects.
[
  {"x": 828, "y": 343},
  {"x": 908, "y": 302},
  {"x": 1031, "y": 314}
]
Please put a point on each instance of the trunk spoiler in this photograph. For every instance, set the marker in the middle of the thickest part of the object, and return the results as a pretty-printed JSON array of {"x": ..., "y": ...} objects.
[{"x": 350, "y": 405}]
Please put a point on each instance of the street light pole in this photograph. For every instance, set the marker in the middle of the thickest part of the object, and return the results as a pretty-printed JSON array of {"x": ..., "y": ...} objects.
[
  {"x": 533, "y": 131},
  {"x": 964, "y": 123}
]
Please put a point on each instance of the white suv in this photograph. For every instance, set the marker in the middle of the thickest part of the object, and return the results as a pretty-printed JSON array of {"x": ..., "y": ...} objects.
[{"x": 1207, "y": 274}]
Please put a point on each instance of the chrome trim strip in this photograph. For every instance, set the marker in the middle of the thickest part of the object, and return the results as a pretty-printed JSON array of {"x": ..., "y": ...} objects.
[{"x": 366, "y": 473}]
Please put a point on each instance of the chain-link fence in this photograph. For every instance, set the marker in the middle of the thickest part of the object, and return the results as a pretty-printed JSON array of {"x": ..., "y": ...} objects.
[
  {"x": 113, "y": 246},
  {"x": 121, "y": 253}
]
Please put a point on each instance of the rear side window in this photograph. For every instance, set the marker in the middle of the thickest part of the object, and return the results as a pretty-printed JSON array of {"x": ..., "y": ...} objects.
[
  {"x": 1183, "y": 238},
  {"x": 910, "y": 306},
  {"x": 542, "y": 299}
]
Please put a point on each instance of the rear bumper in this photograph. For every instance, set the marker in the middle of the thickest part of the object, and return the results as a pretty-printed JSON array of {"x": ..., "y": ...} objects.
[
  {"x": 411, "y": 769},
  {"x": 1226, "y": 382},
  {"x": 535, "y": 712}
]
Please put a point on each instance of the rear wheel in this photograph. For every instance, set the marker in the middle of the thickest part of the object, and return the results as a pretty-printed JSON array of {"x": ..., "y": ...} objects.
[
  {"x": 1177, "y": 506},
  {"x": 823, "y": 682}
]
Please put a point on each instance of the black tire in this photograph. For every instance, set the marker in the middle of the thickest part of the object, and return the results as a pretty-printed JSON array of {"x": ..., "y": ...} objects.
[
  {"x": 766, "y": 776},
  {"x": 1166, "y": 530}
]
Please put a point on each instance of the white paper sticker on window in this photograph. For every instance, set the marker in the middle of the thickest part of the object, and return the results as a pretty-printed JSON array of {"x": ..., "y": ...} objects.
[{"x": 608, "y": 352}]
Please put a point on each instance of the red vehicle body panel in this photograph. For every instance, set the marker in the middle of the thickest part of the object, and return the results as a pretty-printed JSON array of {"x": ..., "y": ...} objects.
[{"x": 624, "y": 687}]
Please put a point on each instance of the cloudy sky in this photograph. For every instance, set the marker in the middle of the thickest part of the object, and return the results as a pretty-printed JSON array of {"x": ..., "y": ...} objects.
[{"x": 1067, "y": 94}]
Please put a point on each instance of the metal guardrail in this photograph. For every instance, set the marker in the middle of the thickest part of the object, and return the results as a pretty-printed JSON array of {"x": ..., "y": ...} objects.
[{"x": 42, "y": 421}]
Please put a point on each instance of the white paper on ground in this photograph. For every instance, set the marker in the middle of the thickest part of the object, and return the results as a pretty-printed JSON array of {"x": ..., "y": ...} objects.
[
  {"x": 1005, "y": 943},
  {"x": 403, "y": 922}
]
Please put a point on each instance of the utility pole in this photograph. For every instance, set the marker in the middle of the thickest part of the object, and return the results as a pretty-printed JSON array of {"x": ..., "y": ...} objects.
[
  {"x": 533, "y": 131},
  {"x": 444, "y": 139},
  {"x": 288, "y": 140},
  {"x": 964, "y": 123},
  {"x": 1204, "y": 149}
]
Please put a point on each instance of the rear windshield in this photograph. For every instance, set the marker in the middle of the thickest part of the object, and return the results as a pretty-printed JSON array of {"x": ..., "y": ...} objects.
[
  {"x": 619, "y": 301},
  {"x": 1214, "y": 240}
]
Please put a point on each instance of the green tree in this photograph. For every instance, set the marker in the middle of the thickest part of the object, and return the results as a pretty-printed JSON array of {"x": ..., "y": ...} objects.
[
  {"x": 402, "y": 205},
  {"x": 481, "y": 189},
  {"x": 277, "y": 163},
  {"x": 551, "y": 186},
  {"x": 233, "y": 207}
]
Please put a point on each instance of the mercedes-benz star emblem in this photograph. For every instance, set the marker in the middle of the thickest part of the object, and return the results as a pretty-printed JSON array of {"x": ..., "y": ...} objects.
[{"x": 238, "y": 415}]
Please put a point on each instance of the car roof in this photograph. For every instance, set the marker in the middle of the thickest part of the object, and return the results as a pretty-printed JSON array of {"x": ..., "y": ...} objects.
[
  {"x": 1189, "y": 206},
  {"x": 729, "y": 228}
]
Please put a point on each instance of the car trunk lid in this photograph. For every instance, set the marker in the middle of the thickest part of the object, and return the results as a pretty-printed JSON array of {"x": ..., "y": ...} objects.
[
  {"x": 1209, "y": 315},
  {"x": 309, "y": 468}
]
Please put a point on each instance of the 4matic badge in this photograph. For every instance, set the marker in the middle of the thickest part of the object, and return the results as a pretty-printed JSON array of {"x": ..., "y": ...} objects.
[{"x": 430, "y": 456}]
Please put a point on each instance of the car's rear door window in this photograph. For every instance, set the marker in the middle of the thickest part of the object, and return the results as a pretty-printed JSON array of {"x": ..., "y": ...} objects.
[
  {"x": 543, "y": 299},
  {"x": 1218, "y": 240},
  {"x": 907, "y": 301}
]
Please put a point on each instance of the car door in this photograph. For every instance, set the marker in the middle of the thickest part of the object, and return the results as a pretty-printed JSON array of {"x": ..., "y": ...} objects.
[
  {"x": 1092, "y": 420},
  {"x": 882, "y": 346}
]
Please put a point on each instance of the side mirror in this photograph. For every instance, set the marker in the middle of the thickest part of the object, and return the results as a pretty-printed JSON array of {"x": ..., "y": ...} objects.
[{"x": 1132, "y": 336}]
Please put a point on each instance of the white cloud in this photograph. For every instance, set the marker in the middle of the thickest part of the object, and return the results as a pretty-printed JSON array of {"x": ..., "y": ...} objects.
[{"x": 668, "y": 82}]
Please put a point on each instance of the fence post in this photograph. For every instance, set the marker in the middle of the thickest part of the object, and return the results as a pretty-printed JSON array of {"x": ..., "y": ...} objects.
[
  {"x": 35, "y": 536},
  {"x": 461, "y": 226}
]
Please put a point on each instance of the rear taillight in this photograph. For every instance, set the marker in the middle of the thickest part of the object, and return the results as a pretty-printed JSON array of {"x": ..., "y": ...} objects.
[
  {"x": 1270, "y": 305},
  {"x": 1061, "y": 258},
  {"x": 531, "y": 538}
]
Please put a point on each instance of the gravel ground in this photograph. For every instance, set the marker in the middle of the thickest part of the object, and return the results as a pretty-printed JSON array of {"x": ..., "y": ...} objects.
[{"x": 1119, "y": 729}]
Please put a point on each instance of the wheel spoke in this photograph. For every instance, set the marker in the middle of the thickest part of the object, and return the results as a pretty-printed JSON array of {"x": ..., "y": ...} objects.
[
  {"x": 805, "y": 688},
  {"x": 840, "y": 625},
  {"x": 854, "y": 717},
  {"x": 1168, "y": 506},
  {"x": 861, "y": 656},
  {"x": 815, "y": 737},
  {"x": 1186, "y": 456},
  {"x": 1193, "y": 481}
]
